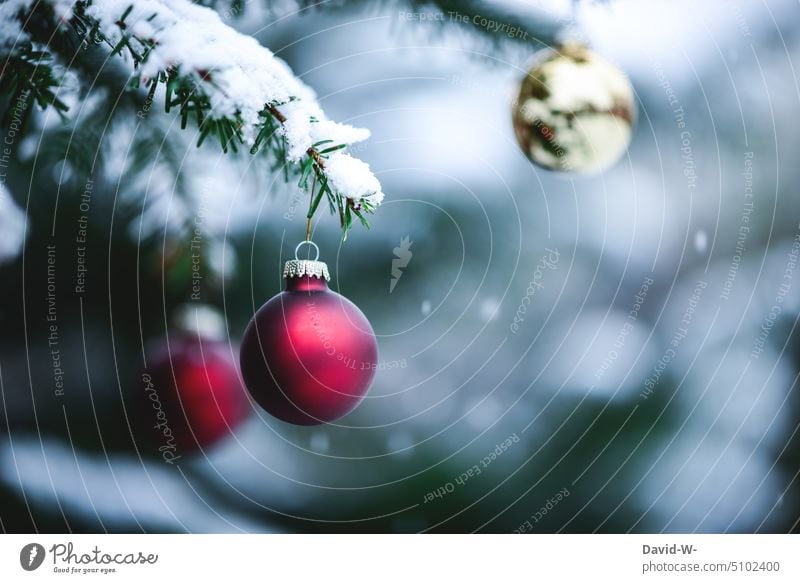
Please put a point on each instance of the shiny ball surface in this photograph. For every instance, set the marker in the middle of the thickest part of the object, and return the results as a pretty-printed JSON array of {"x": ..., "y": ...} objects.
[{"x": 574, "y": 112}]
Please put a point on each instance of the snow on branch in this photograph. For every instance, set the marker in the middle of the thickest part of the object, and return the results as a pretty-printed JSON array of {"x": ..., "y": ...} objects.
[{"x": 234, "y": 88}]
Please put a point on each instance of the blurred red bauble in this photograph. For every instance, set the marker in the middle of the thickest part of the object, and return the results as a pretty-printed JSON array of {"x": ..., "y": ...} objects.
[
  {"x": 192, "y": 394},
  {"x": 309, "y": 354}
]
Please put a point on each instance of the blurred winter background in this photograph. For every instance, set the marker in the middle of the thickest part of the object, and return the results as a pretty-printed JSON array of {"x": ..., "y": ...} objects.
[{"x": 648, "y": 382}]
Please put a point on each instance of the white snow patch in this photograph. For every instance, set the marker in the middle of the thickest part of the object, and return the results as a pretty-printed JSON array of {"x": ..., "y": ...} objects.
[
  {"x": 351, "y": 175},
  {"x": 13, "y": 225},
  {"x": 239, "y": 76}
]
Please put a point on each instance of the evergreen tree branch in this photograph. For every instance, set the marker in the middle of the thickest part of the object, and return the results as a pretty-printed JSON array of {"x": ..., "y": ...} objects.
[{"x": 236, "y": 91}]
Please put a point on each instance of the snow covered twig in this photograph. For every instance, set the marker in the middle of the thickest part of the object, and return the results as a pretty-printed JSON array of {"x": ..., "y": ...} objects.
[{"x": 234, "y": 88}]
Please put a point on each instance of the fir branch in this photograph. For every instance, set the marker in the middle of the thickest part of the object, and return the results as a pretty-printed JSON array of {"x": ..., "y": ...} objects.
[
  {"x": 287, "y": 123},
  {"x": 28, "y": 71},
  {"x": 28, "y": 77}
]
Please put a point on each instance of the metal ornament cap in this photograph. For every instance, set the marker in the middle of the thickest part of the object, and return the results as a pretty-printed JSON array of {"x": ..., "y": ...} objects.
[
  {"x": 306, "y": 267},
  {"x": 301, "y": 267}
]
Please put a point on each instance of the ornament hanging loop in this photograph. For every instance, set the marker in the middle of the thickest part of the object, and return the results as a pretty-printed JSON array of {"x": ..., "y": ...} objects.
[{"x": 307, "y": 242}]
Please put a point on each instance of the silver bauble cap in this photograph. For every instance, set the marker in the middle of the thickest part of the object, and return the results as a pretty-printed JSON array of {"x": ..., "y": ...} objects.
[
  {"x": 306, "y": 267},
  {"x": 301, "y": 267}
]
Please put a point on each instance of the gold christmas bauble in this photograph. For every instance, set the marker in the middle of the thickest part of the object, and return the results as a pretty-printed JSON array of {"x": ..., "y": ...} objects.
[{"x": 575, "y": 111}]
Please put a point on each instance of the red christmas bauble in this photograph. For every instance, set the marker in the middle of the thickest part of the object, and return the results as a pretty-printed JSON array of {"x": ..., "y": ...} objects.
[
  {"x": 191, "y": 396},
  {"x": 309, "y": 354}
]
